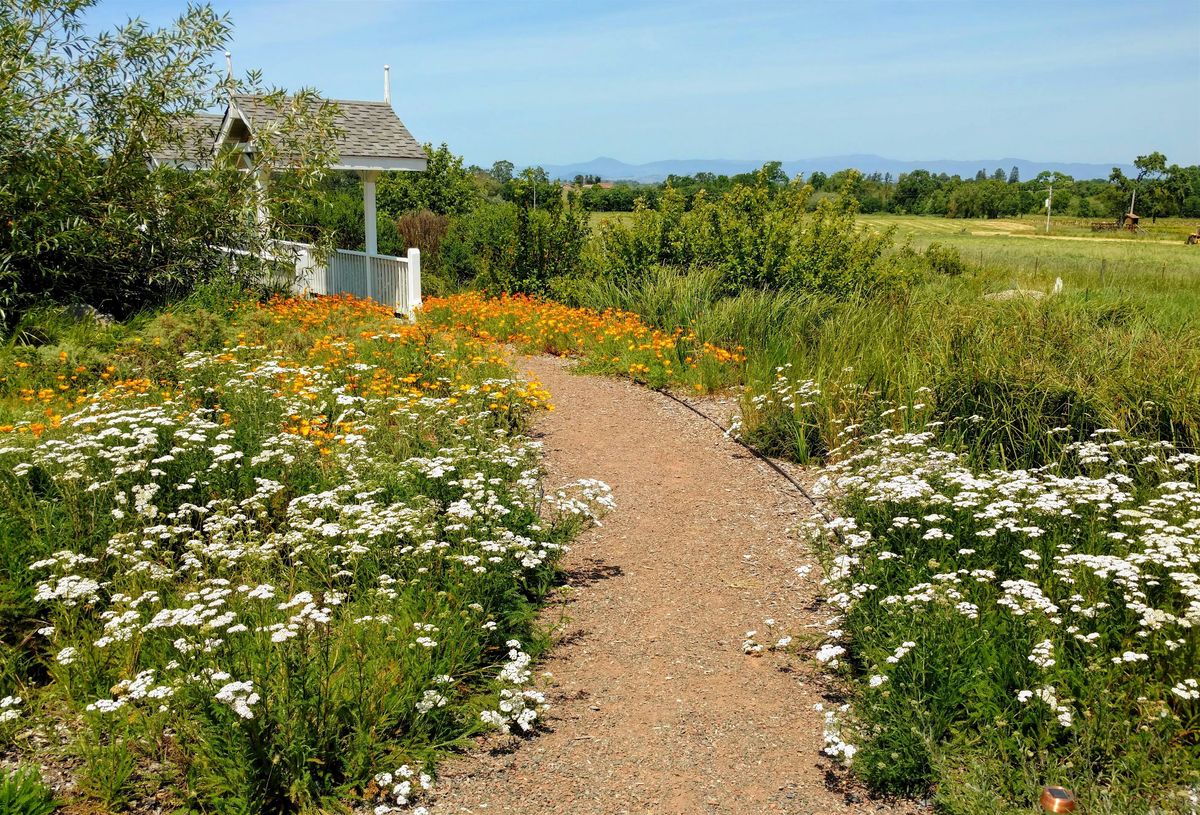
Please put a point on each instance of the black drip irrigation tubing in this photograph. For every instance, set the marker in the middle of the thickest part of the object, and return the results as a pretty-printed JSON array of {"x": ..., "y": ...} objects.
[{"x": 760, "y": 455}]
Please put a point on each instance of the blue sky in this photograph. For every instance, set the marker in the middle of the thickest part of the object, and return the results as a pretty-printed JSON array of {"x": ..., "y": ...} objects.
[{"x": 555, "y": 82}]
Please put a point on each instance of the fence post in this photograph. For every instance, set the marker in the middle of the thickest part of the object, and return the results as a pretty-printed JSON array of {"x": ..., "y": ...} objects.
[{"x": 414, "y": 280}]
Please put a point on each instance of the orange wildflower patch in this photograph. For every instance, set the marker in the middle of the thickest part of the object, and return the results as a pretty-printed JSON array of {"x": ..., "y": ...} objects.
[{"x": 610, "y": 341}]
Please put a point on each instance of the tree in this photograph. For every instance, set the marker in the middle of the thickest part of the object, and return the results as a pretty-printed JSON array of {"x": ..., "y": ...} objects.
[
  {"x": 913, "y": 190},
  {"x": 981, "y": 175},
  {"x": 532, "y": 190},
  {"x": 817, "y": 180},
  {"x": 998, "y": 175},
  {"x": 89, "y": 216},
  {"x": 1014, "y": 175},
  {"x": 445, "y": 188},
  {"x": 502, "y": 171},
  {"x": 772, "y": 173},
  {"x": 1151, "y": 169}
]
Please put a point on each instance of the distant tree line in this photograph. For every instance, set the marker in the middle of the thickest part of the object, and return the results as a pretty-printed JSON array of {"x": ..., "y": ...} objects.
[{"x": 1162, "y": 189}]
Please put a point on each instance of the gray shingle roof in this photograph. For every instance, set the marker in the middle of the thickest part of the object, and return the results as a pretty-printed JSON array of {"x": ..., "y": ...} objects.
[
  {"x": 199, "y": 132},
  {"x": 371, "y": 129}
]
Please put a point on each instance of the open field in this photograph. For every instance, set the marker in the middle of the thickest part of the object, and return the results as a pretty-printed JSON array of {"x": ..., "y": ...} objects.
[
  {"x": 1020, "y": 247},
  {"x": 1170, "y": 230},
  {"x": 1093, "y": 259}
]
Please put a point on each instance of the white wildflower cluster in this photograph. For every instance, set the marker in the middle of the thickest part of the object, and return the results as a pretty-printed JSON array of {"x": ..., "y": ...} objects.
[
  {"x": 128, "y": 691},
  {"x": 1046, "y": 695},
  {"x": 836, "y": 746},
  {"x": 750, "y": 645},
  {"x": 397, "y": 791},
  {"x": 517, "y": 704},
  {"x": 1084, "y": 573},
  {"x": 10, "y": 708},
  {"x": 787, "y": 393},
  {"x": 1187, "y": 689},
  {"x": 586, "y": 498},
  {"x": 238, "y": 695}
]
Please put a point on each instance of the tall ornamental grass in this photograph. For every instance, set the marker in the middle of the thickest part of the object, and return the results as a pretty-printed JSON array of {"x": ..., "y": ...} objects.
[{"x": 1003, "y": 371}]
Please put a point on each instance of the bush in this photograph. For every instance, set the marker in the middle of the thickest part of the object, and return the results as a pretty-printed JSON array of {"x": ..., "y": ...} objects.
[
  {"x": 507, "y": 248},
  {"x": 944, "y": 260},
  {"x": 424, "y": 230},
  {"x": 757, "y": 235}
]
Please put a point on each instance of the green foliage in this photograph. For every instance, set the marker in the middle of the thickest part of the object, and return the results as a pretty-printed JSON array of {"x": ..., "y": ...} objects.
[
  {"x": 107, "y": 771},
  {"x": 22, "y": 792},
  {"x": 445, "y": 188},
  {"x": 758, "y": 236},
  {"x": 482, "y": 245},
  {"x": 502, "y": 171},
  {"x": 88, "y": 216},
  {"x": 987, "y": 198},
  {"x": 508, "y": 248},
  {"x": 944, "y": 259}
]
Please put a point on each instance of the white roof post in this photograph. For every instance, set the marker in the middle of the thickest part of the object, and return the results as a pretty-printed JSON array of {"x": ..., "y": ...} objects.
[
  {"x": 414, "y": 281},
  {"x": 387, "y": 84},
  {"x": 369, "y": 226}
]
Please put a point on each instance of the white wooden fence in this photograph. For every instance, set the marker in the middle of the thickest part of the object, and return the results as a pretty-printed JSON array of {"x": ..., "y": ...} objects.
[
  {"x": 391, "y": 281},
  {"x": 386, "y": 279}
]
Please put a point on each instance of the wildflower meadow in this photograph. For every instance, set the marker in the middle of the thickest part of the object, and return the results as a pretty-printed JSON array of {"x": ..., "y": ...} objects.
[
  {"x": 610, "y": 341},
  {"x": 265, "y": 557}
]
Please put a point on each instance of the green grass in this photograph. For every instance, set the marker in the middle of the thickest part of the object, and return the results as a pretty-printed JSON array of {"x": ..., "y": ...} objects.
[
  {"x": 1119, "y": 355},
  {"x": 1083, "y": 260}
]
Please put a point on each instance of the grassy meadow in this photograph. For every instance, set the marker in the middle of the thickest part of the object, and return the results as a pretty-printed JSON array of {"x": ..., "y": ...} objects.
[{"x": 1164, "y": 230}]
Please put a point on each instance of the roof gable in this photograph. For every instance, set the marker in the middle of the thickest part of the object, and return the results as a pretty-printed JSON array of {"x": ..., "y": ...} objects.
[{"x": 373, "y": 137}]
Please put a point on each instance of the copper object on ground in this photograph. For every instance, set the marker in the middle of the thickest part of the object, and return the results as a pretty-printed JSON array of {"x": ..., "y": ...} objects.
[{"x": 1057, "y": 799}]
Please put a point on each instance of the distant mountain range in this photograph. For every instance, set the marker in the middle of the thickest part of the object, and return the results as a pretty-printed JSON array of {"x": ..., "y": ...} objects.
[{"x": 611, "y": 169}]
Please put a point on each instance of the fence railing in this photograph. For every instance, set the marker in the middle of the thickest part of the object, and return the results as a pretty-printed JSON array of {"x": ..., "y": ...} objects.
[{"x": 391, "y": 281}]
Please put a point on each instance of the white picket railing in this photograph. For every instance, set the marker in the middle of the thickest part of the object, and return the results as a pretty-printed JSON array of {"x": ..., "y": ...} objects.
[
  {"x": 388, "y": 280},
  {"x": 391, "y": 281}
]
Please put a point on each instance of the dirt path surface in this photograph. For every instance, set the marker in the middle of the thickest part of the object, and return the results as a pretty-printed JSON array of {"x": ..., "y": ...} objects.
[{"x": 656, "y": 709}]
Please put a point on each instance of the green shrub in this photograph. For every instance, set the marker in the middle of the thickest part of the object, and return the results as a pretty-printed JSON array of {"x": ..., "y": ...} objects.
[
  {"x": 944, "y": 260},
  {"x": 505, "y": 247},
  {"x": 757, "y": 236}
]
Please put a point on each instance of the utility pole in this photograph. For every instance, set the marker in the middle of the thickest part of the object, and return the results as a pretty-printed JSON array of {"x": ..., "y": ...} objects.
[{"x": 1049, "y": 202}]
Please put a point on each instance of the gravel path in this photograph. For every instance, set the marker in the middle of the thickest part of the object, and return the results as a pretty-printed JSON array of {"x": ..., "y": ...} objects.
[{"x": 655, "y": 707}]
